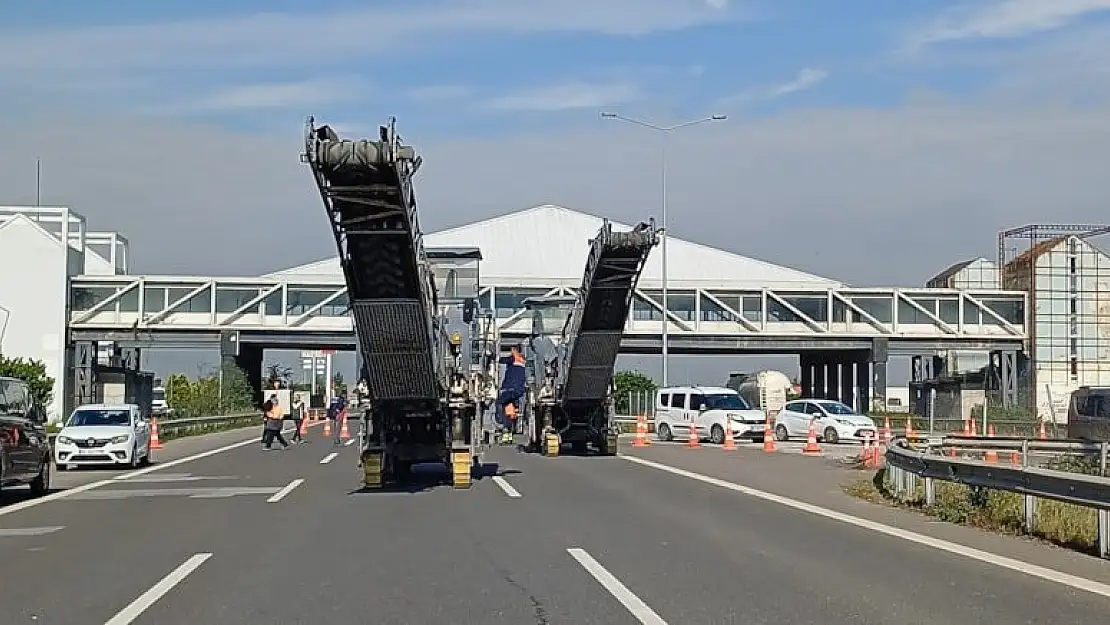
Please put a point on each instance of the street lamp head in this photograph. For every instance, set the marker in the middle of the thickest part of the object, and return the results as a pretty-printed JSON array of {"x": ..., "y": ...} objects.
[
  {"x": 718, "y": 118},
  {"x": 607, "y": 115}
]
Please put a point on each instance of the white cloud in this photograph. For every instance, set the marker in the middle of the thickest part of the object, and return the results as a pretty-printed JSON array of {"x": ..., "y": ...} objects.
[
  {"x": 312, "y": 38},
  {"x": 1000, "y": 19},
  {"x": 440, "y": 93},
  {"x": 278, "y": 95},
  {"x": 806, "y": 78},
  {"x": 574, "y": 95}
]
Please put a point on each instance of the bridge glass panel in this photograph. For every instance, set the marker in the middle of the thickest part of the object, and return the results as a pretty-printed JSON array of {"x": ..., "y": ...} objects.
[
  {"x": 753, "y": 308},
  {"x": 271, "y": 304},
  {"x": 971, "y": 314},
  {"x": 86, "y": 297},
  {"x": 154, "y": 299},
  {"x": 879, "y": 307},
  {"x": 199, "y": 303},
  {"x": 777, "y": 312},
  {"x": 816, "y": 308},
  {"x": 644, "y": 311},
  {"x": 230, "y": 299},
  {"x": 129, "y": 301},
  {"x": 681, "y": 304},
  {"x": 1012, "y": 310},
  {"x": 948, "y": 309},
  {"x": 509, "y": 301},
  {"x": 712, "y": 311},
  {"x": 302, "y": 300},
  {"x": 908, "y": 313}
]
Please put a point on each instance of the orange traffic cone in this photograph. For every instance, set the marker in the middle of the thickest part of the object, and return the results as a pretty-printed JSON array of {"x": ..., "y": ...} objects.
[
  {"x": 991, "y": 456},
  {"x": 812, "y": 448},
  {"x": 155, "y": 441},
  {"x": 868, "y": 455},
  {"x": 768, "y": 436},
  {"x": 1042, "y": 433},
  {"x": 909, "y": 428},
  {"x": 695, "y": 439},
  {"x": 973, "y": 432},
  {"x": 344, "y": 433},
  {"x": 327, "y": 428},
  {"x": 886, "y": 428},
  {"x": 304, "y": 428},
  {"x": 641, "y": 439},
  {"x": 1015, "y": 458},
  {"x": 729, "y": 444}
]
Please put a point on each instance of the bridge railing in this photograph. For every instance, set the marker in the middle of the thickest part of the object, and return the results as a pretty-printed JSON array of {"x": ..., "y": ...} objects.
[{"x": 306, "y": 305}]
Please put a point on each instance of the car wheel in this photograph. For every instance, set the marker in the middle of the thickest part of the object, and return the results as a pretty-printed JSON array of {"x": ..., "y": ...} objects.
[
  {"x": 134, "y": 457},
  {"x": 781, "y": 434},
  {"x": 146, "y": 458},
  {"x": 664, "y": 432},
  {"x": 41, "y": 484},
  {"x": 831, "y": 436},
  {"x": 717, "y": 435}
]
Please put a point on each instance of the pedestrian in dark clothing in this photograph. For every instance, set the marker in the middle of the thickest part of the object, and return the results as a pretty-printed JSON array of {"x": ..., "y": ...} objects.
[
  {"x": 298, "y": 418},
  {"x": 335, "y": 410},
  {"x": 512, "y": 390},
  {"x": 275, "y": 419}
]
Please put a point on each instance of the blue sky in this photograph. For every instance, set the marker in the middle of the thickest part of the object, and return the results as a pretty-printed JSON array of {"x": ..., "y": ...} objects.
[
  {"x": 872, "y": 141},
  {"x": 496, "y": 66}
]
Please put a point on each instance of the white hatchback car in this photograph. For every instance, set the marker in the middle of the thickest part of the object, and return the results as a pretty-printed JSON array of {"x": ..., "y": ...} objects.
[
  {"x": 101, "y": 434},
  {"x": 833, "y": 421}
]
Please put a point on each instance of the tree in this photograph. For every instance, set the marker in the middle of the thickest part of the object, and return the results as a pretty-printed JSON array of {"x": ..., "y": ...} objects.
[
  {"x": 629, "y": 385},
  {"x": 33, "y": 372},
  {"x": 338, "y": 383},
  {"x": 279, "y": 374},
  {"x": 202, "y": 397}
]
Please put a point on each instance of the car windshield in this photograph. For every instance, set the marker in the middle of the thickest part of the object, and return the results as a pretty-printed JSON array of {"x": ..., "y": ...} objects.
[
  {"x": 834, "y": 407},
  {"x": 99, "y": 417},
  {"x": 726, "y": 401}
]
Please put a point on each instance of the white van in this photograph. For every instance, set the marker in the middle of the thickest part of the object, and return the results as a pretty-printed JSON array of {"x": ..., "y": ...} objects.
[{"x": 677, "y": 407}]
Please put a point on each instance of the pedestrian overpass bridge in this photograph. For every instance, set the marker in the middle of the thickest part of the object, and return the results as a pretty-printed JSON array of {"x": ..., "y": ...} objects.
[{"x": 175, "y": 311}]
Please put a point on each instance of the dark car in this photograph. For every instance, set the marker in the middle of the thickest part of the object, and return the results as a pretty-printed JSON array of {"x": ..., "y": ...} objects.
[{"x": 25, "y": 456}]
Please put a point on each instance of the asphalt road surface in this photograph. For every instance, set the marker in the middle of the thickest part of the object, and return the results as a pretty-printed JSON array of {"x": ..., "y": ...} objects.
[{"x": 247, "y": 536}]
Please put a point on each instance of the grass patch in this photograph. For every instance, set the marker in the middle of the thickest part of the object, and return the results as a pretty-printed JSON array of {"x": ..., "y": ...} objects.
[{"x": 1063, "y": 524}]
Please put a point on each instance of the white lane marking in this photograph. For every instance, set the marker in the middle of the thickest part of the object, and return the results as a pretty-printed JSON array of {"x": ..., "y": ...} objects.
[
  {"x": 1033, "y": 570},
  {"x": 350, "y": 442},
  {"x": 62, "y": 494},
  {"x": 506, "y": 486},
  {"x": 328, "y": 458},
  {"x": 278, "y": 496},
  {"x": 620, "y": 592},
  {"x": 30, "y": 531},
  {"x": 157, "y": 591}
]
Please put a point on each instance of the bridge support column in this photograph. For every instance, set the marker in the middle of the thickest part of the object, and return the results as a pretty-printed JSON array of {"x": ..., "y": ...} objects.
[
  {"x": 246, "y": 357},
  {"x": 84, "y": 380},
  {"x": 806, "y": 365},
  {"x": 1002, "y": 375},
  {"x": 879, "y": 357},
  {"x": 820, "y": 377},
  {"x": 832, "y": 376}
]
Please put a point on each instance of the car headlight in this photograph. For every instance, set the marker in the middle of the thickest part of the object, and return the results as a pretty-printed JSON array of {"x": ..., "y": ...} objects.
[
  {"x": 65, "y": 440},
  {"x": 122, "y": 438}
]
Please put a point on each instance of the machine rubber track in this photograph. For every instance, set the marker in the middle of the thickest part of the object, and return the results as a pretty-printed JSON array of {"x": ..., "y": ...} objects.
[{"x": 367, "y": 191}]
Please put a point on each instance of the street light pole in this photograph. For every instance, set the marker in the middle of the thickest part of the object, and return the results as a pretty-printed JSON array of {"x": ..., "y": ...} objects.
[{"x": 665, "y": 131}]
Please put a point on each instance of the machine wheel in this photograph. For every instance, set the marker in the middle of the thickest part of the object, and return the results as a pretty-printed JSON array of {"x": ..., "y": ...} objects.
[
  {"x": 551, "y": 444},
  {"x": 831, "y": 436},
  {"x": 462, "y": 464},
  {"x": 781, "y": 434},
  {"x": 717, "y": 435},
  {"x": 372, "y": 469},
  {"x": 664, "y": 432}
]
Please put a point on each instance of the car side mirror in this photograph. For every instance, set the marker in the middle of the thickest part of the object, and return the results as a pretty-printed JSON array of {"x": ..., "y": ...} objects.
[
  {"x": 702, "y": 408},
  {"x": 817, "y": 415}
]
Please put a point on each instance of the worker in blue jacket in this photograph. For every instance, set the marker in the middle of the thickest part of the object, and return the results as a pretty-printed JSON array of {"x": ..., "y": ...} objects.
[{"x": 513, "y": 385}]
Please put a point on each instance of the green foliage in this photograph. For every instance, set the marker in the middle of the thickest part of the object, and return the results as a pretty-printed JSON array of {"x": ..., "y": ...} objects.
[
  {"x": 202, "y": 398},
  {"x": 339, "y": 384},
  {"x": 33, "y": 372},
  {"x": 278, "y": 373},
  {"x": 631, "y": 383}
]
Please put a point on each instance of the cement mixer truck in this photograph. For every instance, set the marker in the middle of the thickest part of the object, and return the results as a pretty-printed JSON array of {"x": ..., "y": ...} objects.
[{"x": 766, "y": 390}]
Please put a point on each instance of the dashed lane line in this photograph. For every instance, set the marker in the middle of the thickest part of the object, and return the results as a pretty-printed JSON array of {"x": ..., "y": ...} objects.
[
  {"x": 328, "y": 458},
  {"x": 135, "y": 609},
  {"x": 506, "y": 486},
  {"x": 278, "y": 496},
  {"x": 620, "y": 592}
]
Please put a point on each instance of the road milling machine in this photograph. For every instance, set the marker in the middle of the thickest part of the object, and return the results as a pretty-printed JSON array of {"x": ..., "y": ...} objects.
[
  {"x": 421, "y": 355},
  {"x": 572, "y": 349}
]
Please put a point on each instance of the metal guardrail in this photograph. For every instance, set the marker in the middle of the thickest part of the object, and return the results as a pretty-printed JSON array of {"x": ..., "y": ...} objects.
[
  {"x": 907, "y": 465},
  {"x": 173, "y": 427}
]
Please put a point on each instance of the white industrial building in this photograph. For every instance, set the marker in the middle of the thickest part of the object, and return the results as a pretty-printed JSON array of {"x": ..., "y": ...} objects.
[
  {"x": 516, "y": 268},
  {"x": 1068, "y": 281},
  {"x": 40, "y": 249}
]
